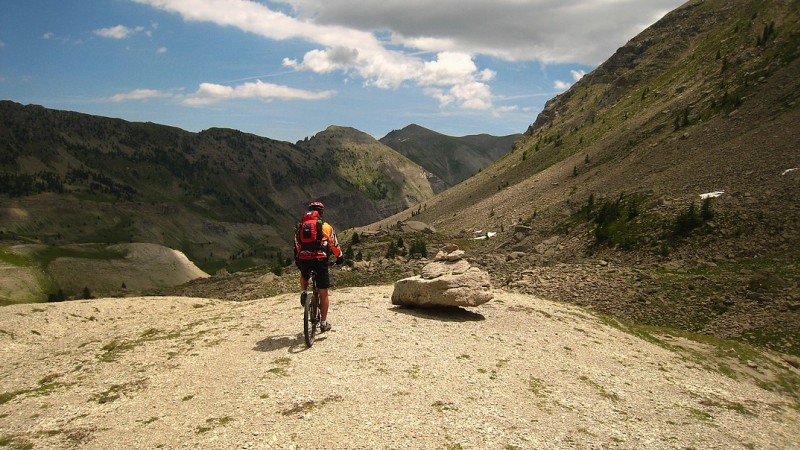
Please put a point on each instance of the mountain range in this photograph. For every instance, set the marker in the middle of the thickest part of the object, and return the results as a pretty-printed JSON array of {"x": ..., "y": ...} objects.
[{"x": 227, "y": 199}]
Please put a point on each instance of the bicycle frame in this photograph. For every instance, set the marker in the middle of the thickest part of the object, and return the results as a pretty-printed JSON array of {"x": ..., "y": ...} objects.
[{"x": 311, "y": 312}]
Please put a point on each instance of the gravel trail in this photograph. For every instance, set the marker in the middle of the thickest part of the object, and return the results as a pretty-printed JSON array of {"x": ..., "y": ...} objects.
[{"x": 517, "y": 372}]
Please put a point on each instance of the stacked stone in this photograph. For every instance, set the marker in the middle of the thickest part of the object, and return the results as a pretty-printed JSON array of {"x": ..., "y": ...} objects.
[{"x": 450, "y": 280}]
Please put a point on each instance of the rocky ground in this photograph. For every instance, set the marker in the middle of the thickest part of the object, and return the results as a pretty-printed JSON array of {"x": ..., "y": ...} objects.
[{"x": 517, "y": 372}]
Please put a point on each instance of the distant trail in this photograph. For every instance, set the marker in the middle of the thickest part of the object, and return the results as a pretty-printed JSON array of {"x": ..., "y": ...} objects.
[{"x": 518, "y": 372}]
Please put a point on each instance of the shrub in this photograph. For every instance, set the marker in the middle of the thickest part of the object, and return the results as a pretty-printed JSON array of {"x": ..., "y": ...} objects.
[
  {"x": 391, "y": 251},
  {"x": 614, "y": 220},
  {"x": 418, "y": 248},
  {"x": 706, "y": 213},
  {"x": 56, "y": 297},
  {"x": 687, "y": 221}
]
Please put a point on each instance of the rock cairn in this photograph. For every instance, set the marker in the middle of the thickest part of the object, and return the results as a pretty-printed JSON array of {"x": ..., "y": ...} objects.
[{"x": 450, "y": 280}]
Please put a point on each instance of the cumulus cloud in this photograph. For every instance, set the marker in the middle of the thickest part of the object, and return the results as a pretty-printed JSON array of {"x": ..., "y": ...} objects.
[
  {"x": 210, "y": 93},
  {"x": 140, "y": 94},
  {"x": 561, "y": 86},
  {"x": 161, "y": 50},
  {"x": 568, "y": 31},
  {"x": 451, "y": 77},
  {"x": 117, "y": 32},
  {"x": 48, "y": 35},
  {"x": 431, "y": 45}
]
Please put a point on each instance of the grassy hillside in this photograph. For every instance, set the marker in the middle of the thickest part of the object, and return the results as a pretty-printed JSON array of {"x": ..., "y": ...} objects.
[
  {"x": 600, "y": 202},
  {"x": 225, "y": 198}
]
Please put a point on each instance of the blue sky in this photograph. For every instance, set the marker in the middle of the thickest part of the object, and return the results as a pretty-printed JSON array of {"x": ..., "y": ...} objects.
[{"x": 288, "y": 69}]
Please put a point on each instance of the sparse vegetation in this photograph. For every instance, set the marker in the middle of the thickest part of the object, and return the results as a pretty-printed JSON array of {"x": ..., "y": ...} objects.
[
  {"x": 537, "y": 386},
  {"x": 310, "y": 405},
  {"x": 418, "y": 249},
  {"x": 213, "y": 423},
  {"x": 600, "y": 389}
]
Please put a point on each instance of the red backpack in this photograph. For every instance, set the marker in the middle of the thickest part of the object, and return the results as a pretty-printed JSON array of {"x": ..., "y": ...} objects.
[{"x": 309, "y": 232}]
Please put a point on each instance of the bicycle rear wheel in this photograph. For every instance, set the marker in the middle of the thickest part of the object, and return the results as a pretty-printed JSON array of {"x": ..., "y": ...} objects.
[{"x": 311, "y": 314}]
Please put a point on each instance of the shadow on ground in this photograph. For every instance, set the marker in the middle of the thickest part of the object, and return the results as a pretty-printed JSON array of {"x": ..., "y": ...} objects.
[
  {"x": 443, "y": 313},
  {"x": 294, "y": 344}
]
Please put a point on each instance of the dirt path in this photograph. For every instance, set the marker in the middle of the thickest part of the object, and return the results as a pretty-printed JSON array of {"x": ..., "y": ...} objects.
[{"x": 518, "y": 372}]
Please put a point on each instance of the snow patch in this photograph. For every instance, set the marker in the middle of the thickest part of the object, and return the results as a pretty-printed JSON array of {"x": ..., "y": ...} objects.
[
  {"x": 711, "y": 194},
  {"x": 789, "y": 170}
]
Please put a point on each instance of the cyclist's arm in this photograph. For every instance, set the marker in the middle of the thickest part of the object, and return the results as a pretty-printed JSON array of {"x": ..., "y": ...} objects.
[{"x": 333, "y": 242}]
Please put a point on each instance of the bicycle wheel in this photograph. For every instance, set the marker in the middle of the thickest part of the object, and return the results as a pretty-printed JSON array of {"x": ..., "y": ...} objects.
[{"x": 311, "y": 314}]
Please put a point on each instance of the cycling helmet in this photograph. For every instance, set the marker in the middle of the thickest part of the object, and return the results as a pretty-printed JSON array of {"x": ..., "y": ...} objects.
[{"x": 316, "y": 206}]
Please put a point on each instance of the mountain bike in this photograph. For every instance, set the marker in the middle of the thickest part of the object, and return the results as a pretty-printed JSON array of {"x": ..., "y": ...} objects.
[
  {"x": 312, "y": 315},
  {"x": 311, "y": 312}
]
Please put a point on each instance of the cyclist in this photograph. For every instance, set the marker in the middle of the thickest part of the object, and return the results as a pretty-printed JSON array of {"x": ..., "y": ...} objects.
[{"x": 308, "y": 257}]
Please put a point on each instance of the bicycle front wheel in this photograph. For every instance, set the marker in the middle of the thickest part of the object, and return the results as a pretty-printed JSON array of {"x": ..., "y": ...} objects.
[
  {"x": 311, "y": 314},
  {"x": 309, "y": 323}
]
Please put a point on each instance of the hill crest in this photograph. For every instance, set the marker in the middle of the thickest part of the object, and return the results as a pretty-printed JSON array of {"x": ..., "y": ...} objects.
[{"x": 452, "y": 159}]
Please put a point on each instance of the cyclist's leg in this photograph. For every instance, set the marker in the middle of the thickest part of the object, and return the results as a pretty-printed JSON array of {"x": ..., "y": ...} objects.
[
  {"x": 323, "y": 283},
  {"x": 305, "y": 274},
  {"x": 324, "y": 301}
]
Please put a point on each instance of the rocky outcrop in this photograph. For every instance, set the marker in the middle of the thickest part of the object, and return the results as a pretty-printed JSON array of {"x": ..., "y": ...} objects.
[{"x": 450, "y": 280}]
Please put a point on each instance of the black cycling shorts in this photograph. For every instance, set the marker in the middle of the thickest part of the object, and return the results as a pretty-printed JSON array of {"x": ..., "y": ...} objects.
[{"x": 321, "y": 266}]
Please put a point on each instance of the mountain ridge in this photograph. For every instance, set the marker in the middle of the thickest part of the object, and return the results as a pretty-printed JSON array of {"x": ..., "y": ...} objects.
[
  {"x": 226, "y": 199},
  {"x": 452, "y": 159},
  {"x": 607, "y": 182}
]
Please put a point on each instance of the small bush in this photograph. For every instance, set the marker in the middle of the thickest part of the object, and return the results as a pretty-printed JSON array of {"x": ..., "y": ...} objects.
[
  {"x": 687, "y": 221},
  {"x": 706, "y": 213},
  {"x": 418, "y": 249},
  {"x": 391, "y": 250},
  {"x": 614, "y": 221},
  {"x": 56, "y": 297},
  {"x": 276, "y": 268}
]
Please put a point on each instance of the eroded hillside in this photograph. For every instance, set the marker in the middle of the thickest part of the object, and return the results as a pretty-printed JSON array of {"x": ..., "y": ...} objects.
[{"x": 602, "y": 198}]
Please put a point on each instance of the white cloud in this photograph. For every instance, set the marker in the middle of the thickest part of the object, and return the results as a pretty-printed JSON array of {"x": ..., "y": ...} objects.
[
  {"x": 561, "y": 85},
  {"x": 118, "y": 32},
  {"x": 349, "y": 50},
  {"x": 210, "y": 93},
  {"x": 568, "y": 31},
  {"x": 48, "y": 35},
  {"x": 140, "y": 94},
  {"x": 2, "y": 44},
  {"x": 161, "y": 50},
  {"x": 431, "y": 45}
]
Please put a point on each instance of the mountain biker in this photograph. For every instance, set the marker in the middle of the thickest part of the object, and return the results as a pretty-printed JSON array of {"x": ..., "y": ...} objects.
[{"x": 317, "y": 260}]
